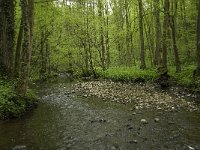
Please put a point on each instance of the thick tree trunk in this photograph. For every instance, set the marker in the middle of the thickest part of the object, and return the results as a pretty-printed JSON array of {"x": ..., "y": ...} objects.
[
  {"x": 142, "y": 54},
  {"x": 157, "y": 60},
  {"x": 7, "y": 34},
  {"x": 173, "y": 26},
  {"x": 27, "y": 16}
]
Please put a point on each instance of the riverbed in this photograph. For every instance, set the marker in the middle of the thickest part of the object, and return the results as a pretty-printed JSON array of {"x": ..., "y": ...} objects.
[{"x": 66, "y": 120}]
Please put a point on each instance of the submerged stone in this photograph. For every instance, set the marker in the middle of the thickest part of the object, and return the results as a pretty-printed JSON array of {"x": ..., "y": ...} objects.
[
  {"x": 156, "y": 119},
  {"x": 143, "y": 121}
]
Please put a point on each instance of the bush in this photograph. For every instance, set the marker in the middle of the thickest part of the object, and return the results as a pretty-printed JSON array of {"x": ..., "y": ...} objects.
[{"x": 11, "y": 104}]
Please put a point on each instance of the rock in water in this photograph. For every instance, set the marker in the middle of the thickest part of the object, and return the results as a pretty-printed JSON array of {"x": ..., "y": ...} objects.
[
  {"x": 191, "y": 148},
  {"x": 134, "y": 113},
  {"x": 143, "y": 121},
  {"x": 156, "y": 119},
  {"x": 113, "y": 148},
  {"x": 133, "y": 142}
]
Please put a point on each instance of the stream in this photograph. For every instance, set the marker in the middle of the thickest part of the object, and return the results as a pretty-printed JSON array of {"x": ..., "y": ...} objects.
[{"x": 65, "y": 121}]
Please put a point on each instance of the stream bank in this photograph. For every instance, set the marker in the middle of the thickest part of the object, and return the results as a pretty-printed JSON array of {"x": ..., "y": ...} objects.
[{"x": 143, "y": 96}]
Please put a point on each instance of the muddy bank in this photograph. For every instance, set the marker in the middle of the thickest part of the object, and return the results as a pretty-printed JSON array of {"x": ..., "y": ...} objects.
[{"x": 143, "y": 96}]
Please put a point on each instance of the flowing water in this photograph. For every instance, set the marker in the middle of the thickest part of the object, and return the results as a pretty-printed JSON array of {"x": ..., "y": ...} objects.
[{"x": 65, "y": 121}]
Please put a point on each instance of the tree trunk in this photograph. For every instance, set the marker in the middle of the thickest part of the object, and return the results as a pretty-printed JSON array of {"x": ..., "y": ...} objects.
[
  {"x": 100, "y": 11},
  {"x": 27, "y": 17},
  {"x": 7, "y": 34},
  {"x": 157, "y": 60},
  {"x": 142, "y": 54},
  {"x": 18, "y": 50},
  {"x": 165, "y": 29},
  {"x": 173, "y": 27},
  {"x": 198, "y": 40},
  {"x": 43, "y": 55},
  {"x": 107, "y": 39}
]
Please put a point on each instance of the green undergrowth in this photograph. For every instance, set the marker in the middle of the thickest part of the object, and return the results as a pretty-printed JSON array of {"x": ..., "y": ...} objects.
[
  {"x": 11, "y": 104},
  {"x": 125, "y": 74},
  {"x": 185, "y": 78}
]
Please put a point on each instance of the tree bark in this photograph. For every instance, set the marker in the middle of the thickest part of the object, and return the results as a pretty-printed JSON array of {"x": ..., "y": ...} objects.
[
  {"x": 157, "y": 60},
  {"x": 165, "y": 29},
  {"x": 101, "y": 16},
  {"x": 18, "y": 50},
  {"x": 142, "y": 54},
  {"x": 28, "y": 19},
  {"x": 198, "y": 40},
  {"x": 7, "y": 34}
]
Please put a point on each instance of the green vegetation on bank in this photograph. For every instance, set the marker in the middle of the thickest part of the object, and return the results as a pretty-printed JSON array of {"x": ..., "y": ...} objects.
[
  {"x": 125, "y": 74},
  {"x": 184, "y": 78},
  {"x": 11, "y": 104}
]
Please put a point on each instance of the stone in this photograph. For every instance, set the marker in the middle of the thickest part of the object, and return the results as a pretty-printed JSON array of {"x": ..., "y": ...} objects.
[
  {"x": 191, "y": 148},
  {"x": 113, "y": 148},
  {"x": 156, "y": 119},
  {"x": 143, "y": 121},
  {"x": 130, "y": 128},
  {"x": 133, "y": 142},
  {"x": 134, "y": 113}
]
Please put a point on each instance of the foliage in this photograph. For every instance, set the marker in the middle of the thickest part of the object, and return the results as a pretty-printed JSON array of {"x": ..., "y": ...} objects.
[
  {"x": 12, "y": 105},
  {"x": 128, "y": 74},
  {"x": 186, "y": 78}
]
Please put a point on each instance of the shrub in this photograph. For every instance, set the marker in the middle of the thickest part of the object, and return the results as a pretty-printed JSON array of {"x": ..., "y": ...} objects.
[{"x": 11, "y": 104}]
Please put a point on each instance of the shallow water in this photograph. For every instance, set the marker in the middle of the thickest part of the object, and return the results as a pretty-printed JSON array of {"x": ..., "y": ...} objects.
[{"x": 64, "y": 120}]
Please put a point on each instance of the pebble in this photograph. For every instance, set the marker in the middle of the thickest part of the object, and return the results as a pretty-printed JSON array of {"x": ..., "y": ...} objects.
[
  {"x": 102, "y": 120},
  {"x": 133, "y": 142},
  {"x": 144, "y": 121},
  {"x": 191, "y": 148},
  {"x": 130, "y": 128},
  {"x": 113, "y": 148},
  {"x": 156, "y": 119},
  {"x": 134, "y": 113}
]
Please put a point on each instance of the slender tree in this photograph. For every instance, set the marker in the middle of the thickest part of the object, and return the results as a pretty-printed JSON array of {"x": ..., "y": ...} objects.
[
  {"x": 173, "y": 26},
  {"x": 18, "y": 50},
  {"x": 165, "y": 30}
]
